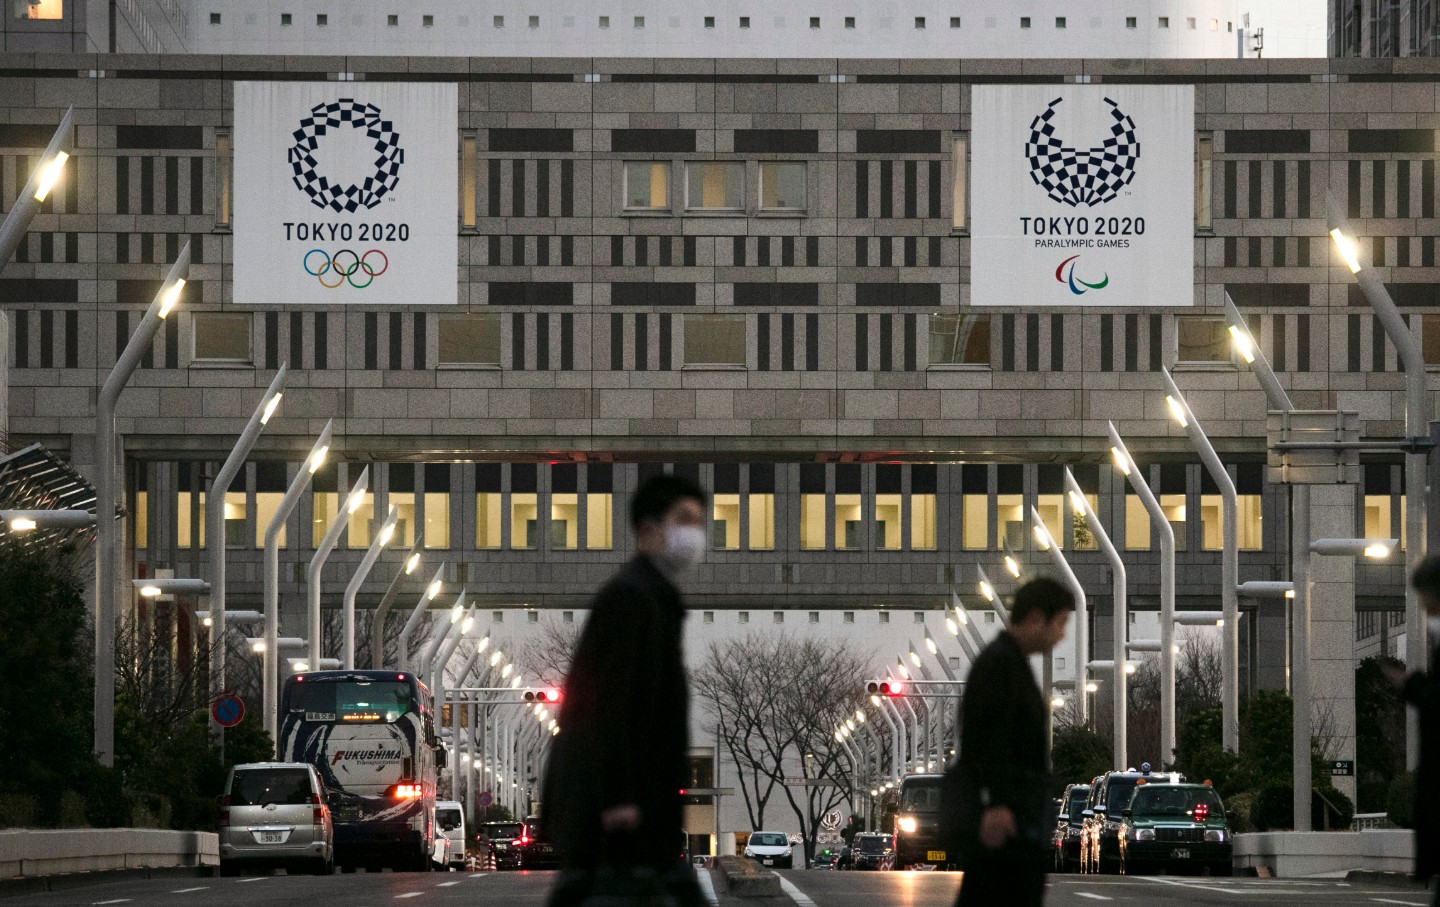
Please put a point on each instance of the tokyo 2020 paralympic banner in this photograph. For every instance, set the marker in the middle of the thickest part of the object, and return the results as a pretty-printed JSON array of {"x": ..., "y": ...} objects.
[
  {"x": 1083, "y": 195},
  {"x": 345, "y": 193}
]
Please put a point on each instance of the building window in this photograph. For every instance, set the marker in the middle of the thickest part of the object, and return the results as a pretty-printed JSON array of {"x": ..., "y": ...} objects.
[
  {"x": 849, "y": 21},
  {"x": 362, "y": 522},
  {"x": 1130, "y": 22},
  {"x": 470, "y": 338},
  {"x": 954, "y": 21},
  {"x": 778, "y": 617},
  {"x": 707, "y": 617},
  {"x": 919, "y": 21},
  {"x": 564, "y": 522},
  {"x": 469, "y": 167},
  {"x": 715, "y": 185},
  {"x": 960, "y": 182},
  {"x": 742, "y": 617},
  {"x": 497, "y": 617},
  {"x": 286, "y": 18},
  {"x": 221, "y": 337},
  {"x": 1230, "y": 27},
  {"x": 1247, "y": 522},
  {"x": 744, "y": 21},
  {"x": 1079, "y": 529},
  {"x": 814, "y": 617},
  {"x": 725, "y": 522},
  {"x": 534, "y": 21},
  {"x": 639, "y": 21},
  {"x": 959, "y": 339},
  {"x": 887, "y": 522},
  {"x": 437, "y": 504},
  {"x": 812, "y": 522},
  {"x": 1024, "y": 21},
  {"x": 392, "y": 20},
  {"x": 814, "y": 21},
  {"x": 524, "y": 514},
  {"x": 427, "y": 21},
  {"x": 1054, "y": 512},
  {"x": 1173, "y": 506},
  {"x": 1190, "y": 22},
  {"x": 849, "y": 533},
  {"x": 54, "y": 9},
  {"x": 1010, "y": 517},
  {"x": 1378, "y": 508},
  {"x": 709, "y": 21},
  {"x": 647, "y": 185},
  {"x": 848, "y": 617},
  {"x": 1204, "y": 154},
  {"x": 1214, "y": 24},
  {"x": 761, "y": 505},
  {"x": 1430, "y": 339},
  {"x": 975, "y": 520},
  {"x": 1163, "y": 22},
  {"x": 922, "y": 522},
  {"x": 782, "y": 186},
  {"x": 604, "y": 21},
  {"x": 223, "y": 168},
  {"x": 214, "y": 17},
  {"x": 1059, "y": 21},
  {"x": 1201, "y": 338},
  {"x": 883, "y": 617},
  {"x": 1137, "y": 524},
  {"x": 322, "y": 20},
  {"x": 498, "y": 21},
  {"x": 715, "y": 340}
]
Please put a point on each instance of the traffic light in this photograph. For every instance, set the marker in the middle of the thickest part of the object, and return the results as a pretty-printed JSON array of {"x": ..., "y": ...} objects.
[
  {"x": 547, "y": 696},
  {"x": 885, "y": 688}
]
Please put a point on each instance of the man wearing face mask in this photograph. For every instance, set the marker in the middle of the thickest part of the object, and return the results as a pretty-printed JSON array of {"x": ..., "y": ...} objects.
[{"x": 612, "y": 788}]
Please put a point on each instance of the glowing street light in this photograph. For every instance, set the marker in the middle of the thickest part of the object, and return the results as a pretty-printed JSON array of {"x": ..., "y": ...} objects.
[{"x": 41, "y": 182}]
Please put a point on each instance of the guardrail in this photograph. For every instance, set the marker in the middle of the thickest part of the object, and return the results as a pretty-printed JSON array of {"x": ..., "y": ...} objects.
[
  {"x": 1371, "y": 822},
  {"x": 1292, "y": 854},
  {"x": 32, "y": 853}
]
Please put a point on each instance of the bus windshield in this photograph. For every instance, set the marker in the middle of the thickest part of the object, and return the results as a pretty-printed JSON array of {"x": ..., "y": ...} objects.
[{"x": 351, "y": 701}]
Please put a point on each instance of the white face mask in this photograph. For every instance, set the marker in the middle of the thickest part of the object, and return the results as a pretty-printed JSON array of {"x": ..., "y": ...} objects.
[
  {"x": 684, "y": 548},
  {"x": 1434, "y": 624}
]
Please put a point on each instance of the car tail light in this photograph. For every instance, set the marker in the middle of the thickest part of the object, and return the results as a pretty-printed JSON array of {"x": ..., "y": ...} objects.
[
  {"x": 1202, "y": 812},
  {"x": 407, "y": 791},
  {"x": 318, "y": 813},
  {"x": 524, "y": 839}
]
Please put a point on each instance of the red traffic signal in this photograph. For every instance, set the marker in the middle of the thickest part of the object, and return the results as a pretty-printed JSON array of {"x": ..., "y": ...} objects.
[
  {"x": 548, "y": 696},
  {"x": 885, "y": 688}
]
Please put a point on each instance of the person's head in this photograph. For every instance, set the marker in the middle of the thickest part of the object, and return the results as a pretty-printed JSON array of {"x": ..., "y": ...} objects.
[
  {"x": 1426, "y": 581},
  {"x": 668, "y": 516},
  {"x": 1039, "y": 613}
]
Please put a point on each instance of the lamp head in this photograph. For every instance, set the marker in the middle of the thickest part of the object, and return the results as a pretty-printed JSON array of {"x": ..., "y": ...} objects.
[
  {"x": 387, "y": 532},
  {"x": 1077, "y": 503},
  {"x": 988, "y": 590},
  {"x": 1122, "y": 460},
  {"x": 1013, "y": 566},
  {"x": 1042, "y": 537},
  {"x": 151, "y": 591},
  {"x": 317, "y": 459},
  {"x": 1377, "y": 551},
  {"x": 411, "y": 563},
  {"x": 270, "y": 406},
  {"x": 1349, "y": 250},
  {"x": 1177, "y": 411},
  {"x": 22, "y": 524},
  {"x": 436, "y": 585},
  {"x": 50, "y": 175},
  {"x": 171, "y": 297},
  {"x": 1244, "y": 344}
]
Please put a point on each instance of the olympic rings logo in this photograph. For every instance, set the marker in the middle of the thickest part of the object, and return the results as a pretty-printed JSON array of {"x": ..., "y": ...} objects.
[{"x": 342, "y": 270}]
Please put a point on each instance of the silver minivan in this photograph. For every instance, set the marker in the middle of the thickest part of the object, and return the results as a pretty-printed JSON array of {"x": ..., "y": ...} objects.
[
  {"x": 450, "y": 821},
  {"x": 274, "y": 814}
]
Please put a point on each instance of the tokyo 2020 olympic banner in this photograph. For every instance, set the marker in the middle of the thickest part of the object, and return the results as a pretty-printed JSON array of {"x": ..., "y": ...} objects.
[
  {"x": 345, "y": 193},
  {"x": 1083, "y": 195}
]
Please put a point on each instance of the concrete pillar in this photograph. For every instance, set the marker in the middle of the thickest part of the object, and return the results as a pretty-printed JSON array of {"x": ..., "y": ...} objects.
[
  {"x": 1271, "y": 642},
  {"x": 1332, "y": 630}
]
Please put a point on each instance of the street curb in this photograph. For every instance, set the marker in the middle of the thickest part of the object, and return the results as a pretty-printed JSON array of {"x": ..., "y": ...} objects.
[
  {"x": 744, "y": 879},
  {"x": 1384, "y": 879},
  {"x": 10, "y": 888}
]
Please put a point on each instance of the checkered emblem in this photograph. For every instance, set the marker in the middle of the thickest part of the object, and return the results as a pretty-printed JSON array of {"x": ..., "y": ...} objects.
[
  {"x": 308, "y": 176},
  {"x": 1076, "y": 177}
]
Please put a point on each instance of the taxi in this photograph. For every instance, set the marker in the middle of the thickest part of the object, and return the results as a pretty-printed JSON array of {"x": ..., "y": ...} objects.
[{"x": 1175, "y": 827}]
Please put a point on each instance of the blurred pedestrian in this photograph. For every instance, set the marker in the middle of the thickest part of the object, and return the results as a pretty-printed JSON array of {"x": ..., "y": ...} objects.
[
  {"x": 612, "y": 788},
  {"x": 1422, "y": 691},
  {"x": 999, "y": 788}
]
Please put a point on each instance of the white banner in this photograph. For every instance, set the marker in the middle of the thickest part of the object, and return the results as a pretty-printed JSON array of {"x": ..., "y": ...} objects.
[
  {"x": 345, "y": 193},
  {"x": 1083, "y": 195}
]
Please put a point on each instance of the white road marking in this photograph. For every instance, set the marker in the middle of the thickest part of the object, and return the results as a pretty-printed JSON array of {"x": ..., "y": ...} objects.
[
  {"x": 796, "y": 895},
  {"x": 1231, "y": 890},
  {"x": 708, "y": 887},
  {"x": 447, "y": 884},
  {"x": 1093, "y": 897},
  {"x": 408, "y": 894},
  {"x": 115, "y": 901},
  {"x": 255, "y": 879},
  {"x": 188, "y": 890},
  {"x": 1393, "y": 901}
]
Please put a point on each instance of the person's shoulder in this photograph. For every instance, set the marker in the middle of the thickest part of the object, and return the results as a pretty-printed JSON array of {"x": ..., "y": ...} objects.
[{"x": 631, "y": 588}]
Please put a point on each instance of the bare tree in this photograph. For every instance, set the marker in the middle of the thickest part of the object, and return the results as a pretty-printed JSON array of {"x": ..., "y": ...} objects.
[
  {"x": 549, "y": 653},
  {"x": 164, "y": 681}
]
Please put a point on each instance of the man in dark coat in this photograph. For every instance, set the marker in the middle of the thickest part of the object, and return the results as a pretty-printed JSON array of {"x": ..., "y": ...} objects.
[
  {"x": 1422, "y": 690},
  {"x": 1001, "y": 780},
  {"x": 611, "y": 794}
]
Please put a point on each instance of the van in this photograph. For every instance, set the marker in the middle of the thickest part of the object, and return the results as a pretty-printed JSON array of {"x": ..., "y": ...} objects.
[
  {"x": 917, "y": 824},
  {"x": 450, "y": 821},
  {"x": 274, "y": 815}
]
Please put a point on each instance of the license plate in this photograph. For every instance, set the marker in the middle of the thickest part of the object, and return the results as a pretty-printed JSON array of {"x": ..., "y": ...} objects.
[
  {"x": 1180, "y": 853},
  {"x": 938, "y": 855},
  {"x": 768, "y": 862},
  {"x": 272, "y": 837}
]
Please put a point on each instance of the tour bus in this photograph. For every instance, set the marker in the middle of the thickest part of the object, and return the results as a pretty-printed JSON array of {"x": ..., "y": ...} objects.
[{"x": 371, "y": 735}]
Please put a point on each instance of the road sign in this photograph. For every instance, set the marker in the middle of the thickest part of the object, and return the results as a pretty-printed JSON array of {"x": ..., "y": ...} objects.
[
  {"x": 485, "y": 798},
  {"x": 1342, "y": 768},
  {"x": 227, "y": 710}
]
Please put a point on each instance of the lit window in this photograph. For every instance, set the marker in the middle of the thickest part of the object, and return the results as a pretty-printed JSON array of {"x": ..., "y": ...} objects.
[
  {"x": 1137, "y": 524},
  {"x": 647, "y": 185},
  {"x": 1084, "y": 539},
  {"x": 887, "y": 522},
  {"x": 564, "y": 522},
  {"x": 1130, "y": 22},
  {"x": 975, "y": 521},
  {"x": 221, "y": 336},
  {"x": 1059, "y": 21},
  {"x": 487, "y": 519},
  {"x": 849, "y": 532},
  {"x": 762, "y": 522},
  {"x": 437, "y": 518},
  {"x": 922, "y": 522},
  {"x": 598, "y": 509},
  {"x": 959, "y": 339},
  {"x": 960, "y": 182},
  {"x": 362, "y": 522},
  {"x": 142, "y": 519},
  {"x": 468, "y": 168},
  {"x": 716, "y": 185},
  {"x": 1204, "y": 154},
  {"x": 725, "y": 528},
  {"x": 715, "y": 340},
  {"x": 324, "y": 505},
  {"x": 524, "y": 513},
  {"x": 1201, "y": 338},
  {"x": 814, "y": 21},
  {"x": 469, "y": 338},
  {"x": 1024, "y": 21},
  {"x": 1010, "y": 517},
  {"x": 782, "y": 186},
  {"x": 1247, "y": 522},
  {"x": 54, "y": 9},
  {"x": 849, "y": 21},
  {"x": 1054, "y": 512},
  {"x": 1214, "y": 24},
  {"x": 322, "y": 19},
  {"x": 919, "y": 21},
  {"x": 1164, "y": 22},
  {"x": 709, "y": 21},
  {"x": 267, "y": 504},
  {"x": 1173, "y": 506},
  {"x": 1378, "y": 508},
  {"x": 812, "y": 522},
  {"x": 214, "y": 17}
]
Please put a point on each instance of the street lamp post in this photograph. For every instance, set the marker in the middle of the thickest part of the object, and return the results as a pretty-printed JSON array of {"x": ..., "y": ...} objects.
[
  {"x": 42, "y": 179},
  {"x": 382, "y": 610},
  {"x": 215, "y": 531},
  {"x": 402, "y": 656},
  {"x": 1229, "y": 564},
  {"x": 1417, "y": 429},
  {"x": 27, "y": 520},
  {"x": 1119, "y": 625},
  {"x": 341, "y": 523},
  {"x": 1082, "y": 610},
  {"x": 313, "y": 461},
  {"x": 108, "y": 508},
  {"x": 352, "y": 589},
  {"x": 1127, "y": 465}
]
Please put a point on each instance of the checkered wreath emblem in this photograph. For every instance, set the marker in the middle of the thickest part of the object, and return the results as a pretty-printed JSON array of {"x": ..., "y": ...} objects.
[
  {"x": 326, "y": 194},
  {"x": 1091, "y": 176}
]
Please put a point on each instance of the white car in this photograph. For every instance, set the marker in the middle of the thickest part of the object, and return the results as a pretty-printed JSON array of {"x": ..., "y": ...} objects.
[{"x": 771, "y": 848}]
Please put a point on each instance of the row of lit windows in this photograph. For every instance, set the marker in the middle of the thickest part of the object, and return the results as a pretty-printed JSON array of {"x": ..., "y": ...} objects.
[
  {"x": 715, "y": 186},
  {"x": 815, "y": 22}
]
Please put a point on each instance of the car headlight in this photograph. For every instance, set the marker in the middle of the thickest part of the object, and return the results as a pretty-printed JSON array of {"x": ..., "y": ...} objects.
[
  {"x": 1143, "y": 834},
  {"x": 907, "y": 824},
  {"x": 1214, "y": 834}
]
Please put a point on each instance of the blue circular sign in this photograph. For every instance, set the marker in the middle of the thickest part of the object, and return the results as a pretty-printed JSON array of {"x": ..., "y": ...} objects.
[{"x": 228, "y": 710}]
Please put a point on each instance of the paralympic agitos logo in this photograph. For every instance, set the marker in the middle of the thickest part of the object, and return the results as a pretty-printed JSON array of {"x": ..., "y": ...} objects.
[{"x": 1066, "y": 274}]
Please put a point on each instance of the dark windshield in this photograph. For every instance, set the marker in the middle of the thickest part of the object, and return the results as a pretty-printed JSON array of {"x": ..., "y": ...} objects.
[
  {"x": 1117, "y": 794},
  {"x": 350, "y": 701},
  {"x": 503, "y": 831},
  {"x": 1077, "y": 805},
  {"x": 447, "y": 818},
  {"x": 872, "y": 843},
  {"x": 261, "y": 786},
  {"x": 920, "y": 797},
  {"x": 1178, "y": 802}
]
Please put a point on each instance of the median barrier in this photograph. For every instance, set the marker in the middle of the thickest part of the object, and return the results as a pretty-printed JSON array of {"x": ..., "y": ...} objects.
[
  {"x": 745, "y": 879},
  {"x": 1292, "y": 854},
  {"x": 32, "y": 853}
]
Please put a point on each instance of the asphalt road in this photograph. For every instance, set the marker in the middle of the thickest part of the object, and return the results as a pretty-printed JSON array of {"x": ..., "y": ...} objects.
[{"x": 802, "y": 889}]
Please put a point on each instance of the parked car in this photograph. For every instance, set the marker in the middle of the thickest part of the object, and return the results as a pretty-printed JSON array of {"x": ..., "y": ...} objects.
[
  {"x": 872, "y": 850},
  {"x": 537, "y": 851},
  {"x": 274, "y": 815},
  {"x": 1066, "y": 839},
  {"x": 827, "y": 858},
  {"x": 917, "y": 824},
  {"x": 1109, "y": 795},
  {"x": 1175, "y": 826},
  {"x": 450, "y": 824},
  {"x": 770, "y": 848},
  {"x": 500, "y": 840}
]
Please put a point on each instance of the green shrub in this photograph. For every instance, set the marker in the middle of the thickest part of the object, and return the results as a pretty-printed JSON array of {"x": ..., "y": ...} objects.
[
  {"x": 1330, "y": 809},
  {"x": 1400, "y": 803},
  {"x": 1237, "y": 811},
  {"x": 1274, "y": 808}
]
